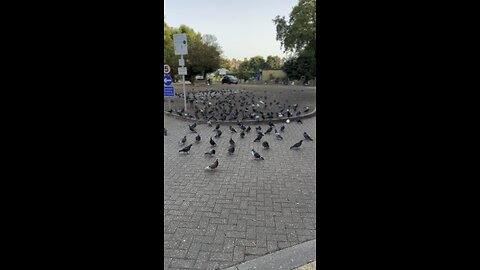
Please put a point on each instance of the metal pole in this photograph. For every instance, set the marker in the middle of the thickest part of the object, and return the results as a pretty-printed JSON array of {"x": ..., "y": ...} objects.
[{"x": 184, "y": 93}]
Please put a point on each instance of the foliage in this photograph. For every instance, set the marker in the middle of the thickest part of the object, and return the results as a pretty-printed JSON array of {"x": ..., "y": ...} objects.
[
  {"x": 203, "y": 52},
  {"x": 299, "y": 33},
  {"x": 298, "y": 36}
]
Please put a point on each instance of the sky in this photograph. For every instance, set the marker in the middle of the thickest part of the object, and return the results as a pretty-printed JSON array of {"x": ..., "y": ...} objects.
[{"x": 243, "y": 28}]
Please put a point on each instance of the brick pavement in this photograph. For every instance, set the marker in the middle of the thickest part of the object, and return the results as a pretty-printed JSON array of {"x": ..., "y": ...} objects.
[{"x": 244, "y": 209}]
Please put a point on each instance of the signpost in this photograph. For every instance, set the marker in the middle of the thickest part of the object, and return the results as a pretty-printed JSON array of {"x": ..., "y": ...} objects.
[
  {"x": 168, "y": 90},
  {"x": 181, "y": 48}
]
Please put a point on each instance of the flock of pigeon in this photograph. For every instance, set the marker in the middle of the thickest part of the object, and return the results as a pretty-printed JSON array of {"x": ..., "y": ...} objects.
[
  {"x": 236, "y": 105},
  {"x": 259, "y": 135}
]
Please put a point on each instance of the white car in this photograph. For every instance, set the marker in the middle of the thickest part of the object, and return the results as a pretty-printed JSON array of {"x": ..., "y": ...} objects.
[{"x": 199, "y": 77}]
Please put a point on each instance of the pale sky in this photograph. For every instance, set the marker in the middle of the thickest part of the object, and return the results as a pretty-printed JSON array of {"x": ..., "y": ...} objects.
[{"x": 243, "y": 28}]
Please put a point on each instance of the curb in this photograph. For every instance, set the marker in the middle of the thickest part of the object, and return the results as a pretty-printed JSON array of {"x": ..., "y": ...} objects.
[
  {"x": 274, "y": 120},
  {"x": 289, "y": 258}
]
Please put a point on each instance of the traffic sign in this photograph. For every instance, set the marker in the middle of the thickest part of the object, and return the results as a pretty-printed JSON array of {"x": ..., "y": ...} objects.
[
  {"x": 167, "y": 80},
  {"x": 168, "y": 91},
  {"x": 182, "y": 71},
  {"x": 180, "y": 44},
  {"x": 166, "y": 69}
]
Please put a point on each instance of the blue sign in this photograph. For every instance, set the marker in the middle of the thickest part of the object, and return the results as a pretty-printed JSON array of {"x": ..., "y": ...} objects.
[
  {"x": 168, "y": 91},
  {"x": 167, "y": 80}
]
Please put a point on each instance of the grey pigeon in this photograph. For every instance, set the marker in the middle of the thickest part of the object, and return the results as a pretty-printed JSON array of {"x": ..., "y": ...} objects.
[
  {"x": 184, "y": 139},
  {"x": 213, "y": 166},
  {"x": 297, "y": 145},
  {"x": 198, "y": 138},
  {"x": 186, "y": 149},
  {"x": 219, "y": 133},
  {"x": 307, "y": 136},
  {"x": 242, "y": 134},
  {"x": 259, "y": 137},
  {"x": 282, "y": 129},
  {"x": 256, "y": 155},
  {"x": 212, "y": 142},
  {"x": 231, "y": 149},
  {"x": 232, "y": 130},
  {"x": 232, "y": 142},
  {"x": 211, "y": 152},
  {"x": 266, "y": 145},
  {"x": 278, "y": 136}
]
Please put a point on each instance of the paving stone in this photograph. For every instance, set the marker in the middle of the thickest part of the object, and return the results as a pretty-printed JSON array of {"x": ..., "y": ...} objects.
[{"x": 244, "y": 209}]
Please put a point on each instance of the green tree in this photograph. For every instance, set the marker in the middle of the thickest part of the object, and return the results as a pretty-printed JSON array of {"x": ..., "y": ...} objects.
[
  {"x": 203, "y": 52},
  {"x": 273, "y": 62},
  {"x": 298, "y": 36},
  {"x": 299, "y": 33}
]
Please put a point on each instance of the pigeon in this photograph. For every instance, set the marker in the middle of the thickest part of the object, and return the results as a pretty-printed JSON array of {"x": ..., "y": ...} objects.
[
  {"x": 307, "y": 136},
  {"x": 194, "y": 125},
  {"x": 242, "y": 134},
  {"x": 259, "y": 137},
  {"x": 184, "y": 139},
  {"x": 198, "y": 138},
  {"x": 213, "y": 166},
  {"x": 248, "y": 129},
  {"x": 288, "y": 121},
  {"x": 192, "y": 129},
  {"x": 212, "y": 142},
  {"x": 217, "y": 127},
  {"x": 209, "y": 123},
  {"x": 277, "y": 135},
  {"x": 165, "y": 131},
  {"x": 232, "y": 142},
  {"x": 186, "y": 149},
  {"x": 282, "y": 129},
  {"x": 266, "y": 145},
  {"x": 299, "y": 121},
  {"x": 219, "y": 133},
  {"x": 268, "y": 130},
  {"x": 256, "y": 155},
  {"x": 306, "y": 109},
  {"x": 231, "y": 149},
  {"x": 232, "y": 130},
  {"x": 297, "y": 145},
  {"x": 211, "y": 152}
]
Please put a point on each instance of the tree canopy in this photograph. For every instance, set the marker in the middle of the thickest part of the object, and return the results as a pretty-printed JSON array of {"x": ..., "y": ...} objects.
[
  {"x": 204, "y": 52},
  {"x": 298, "y": 36}
]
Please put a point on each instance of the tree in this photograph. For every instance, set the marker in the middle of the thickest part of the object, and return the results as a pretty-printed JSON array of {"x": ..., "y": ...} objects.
[
  {"x": 273, "y": 62},
  {"x": 299, "y": 33},
  {"x": 299, "y": 37},
  {"x": 203, "y": 52}
]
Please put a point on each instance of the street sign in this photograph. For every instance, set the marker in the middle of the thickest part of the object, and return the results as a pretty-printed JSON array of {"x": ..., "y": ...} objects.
[
  {"x": 166, "y": 69},
  {"x": 182, "y": 71},
  {"x": 181, "y": 62},
  {"x": 180, "y": 44},
  {"x": 168, "y": 91},
  {"x": 167, "y": 80}
]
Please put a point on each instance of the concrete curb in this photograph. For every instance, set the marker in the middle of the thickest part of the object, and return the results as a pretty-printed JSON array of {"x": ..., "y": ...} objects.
[
  {"x": 289, "y": 258},
  {"x": 274, "y": 120}
]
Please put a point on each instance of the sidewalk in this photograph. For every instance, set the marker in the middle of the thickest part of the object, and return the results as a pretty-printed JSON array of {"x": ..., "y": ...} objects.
[
  {"x": 299, "y": 257},
  {"x": 308, "y": 266}
]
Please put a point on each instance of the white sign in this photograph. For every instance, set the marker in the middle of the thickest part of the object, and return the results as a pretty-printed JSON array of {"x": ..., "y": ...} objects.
[
  {"x": 182, "y": 71},
  {"x": 180, "y": 43},
  {"x": 166, "y": 69},
  {"x": 181, "y": 62}
]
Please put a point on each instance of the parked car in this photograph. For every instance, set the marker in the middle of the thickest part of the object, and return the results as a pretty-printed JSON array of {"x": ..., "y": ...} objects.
[
  {"x": 230, "y": 79},
  {"x": 199, "y": 77}
]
